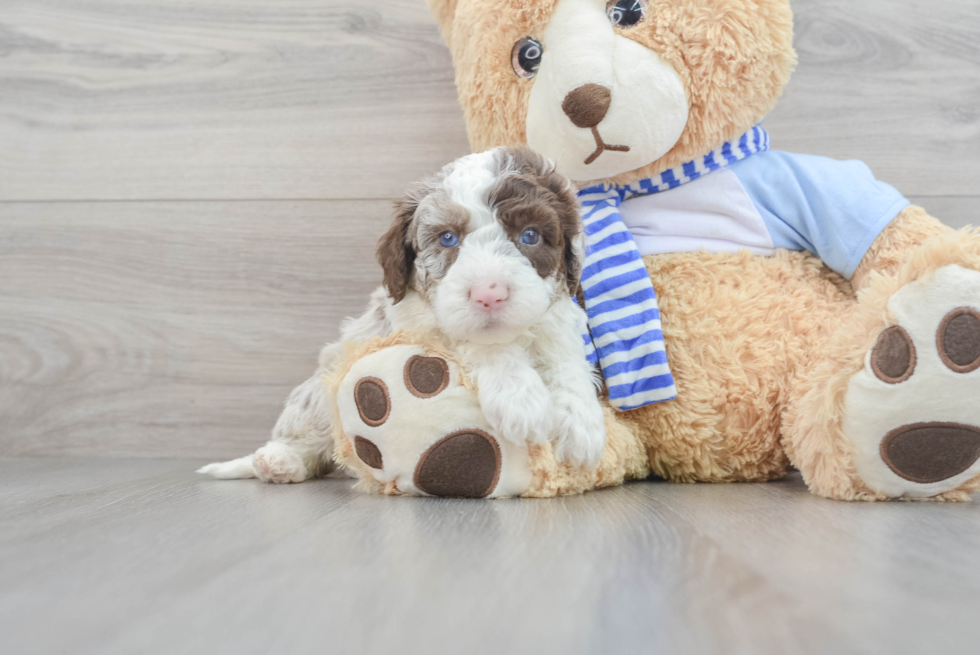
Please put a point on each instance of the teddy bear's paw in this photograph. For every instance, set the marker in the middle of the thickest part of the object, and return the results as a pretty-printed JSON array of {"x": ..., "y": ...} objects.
[
  {"x": 913, "y": 411},
  {"x": 416, "y": 429},
  {"x": 277, "y": 463}
]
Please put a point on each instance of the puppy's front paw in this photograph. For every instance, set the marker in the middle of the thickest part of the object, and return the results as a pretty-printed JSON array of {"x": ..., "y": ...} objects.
[
  {"x": 580, "y": 429},
  {"x": 518, "y": 407}
]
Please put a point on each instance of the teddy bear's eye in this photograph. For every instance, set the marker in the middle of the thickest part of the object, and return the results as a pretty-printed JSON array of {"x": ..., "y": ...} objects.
[
  {"x": 626, "y": 13},
  {"x": 526, "y": 57}
]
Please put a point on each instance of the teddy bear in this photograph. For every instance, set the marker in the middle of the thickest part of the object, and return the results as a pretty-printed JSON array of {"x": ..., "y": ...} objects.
[{"x": 752, "y": 310}]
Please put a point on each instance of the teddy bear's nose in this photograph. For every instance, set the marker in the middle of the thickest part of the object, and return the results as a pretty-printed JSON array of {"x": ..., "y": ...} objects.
[{"x": 587, "y": 105}]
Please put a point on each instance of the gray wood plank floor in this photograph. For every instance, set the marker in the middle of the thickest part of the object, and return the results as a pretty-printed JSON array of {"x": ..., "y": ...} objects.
[{"x": 129, "y": 556}]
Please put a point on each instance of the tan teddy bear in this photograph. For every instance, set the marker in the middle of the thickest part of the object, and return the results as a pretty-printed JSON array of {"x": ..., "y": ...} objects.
[
  {"x": 809, "y": 315},
  {"x": 750, "y": 309}
]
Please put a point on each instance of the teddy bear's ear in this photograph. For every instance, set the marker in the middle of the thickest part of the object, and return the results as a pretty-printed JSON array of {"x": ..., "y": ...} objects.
[{"x": 444, "y": 12}]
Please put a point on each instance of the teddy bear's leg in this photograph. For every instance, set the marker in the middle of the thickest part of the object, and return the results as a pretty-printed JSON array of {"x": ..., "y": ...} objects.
[
  {"x": 410, "y": 422},
  {"x": 735, "y": 327},
  {"x": 889, "y": 407}
]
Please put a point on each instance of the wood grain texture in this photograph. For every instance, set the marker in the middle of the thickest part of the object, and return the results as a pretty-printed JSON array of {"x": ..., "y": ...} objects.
[
  {"x": 350, "y": 99},
  {"x": 955, "y": 211},
  {"x": 227, "y": 99},
  {"x": 896, "y": 84},
  {"x": 133, "y": 556},
  {"x": 178, "y": 328},
  {"x": 169, "y": 328}
]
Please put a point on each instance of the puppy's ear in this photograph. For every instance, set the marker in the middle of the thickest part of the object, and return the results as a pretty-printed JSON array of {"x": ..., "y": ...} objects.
[
  {"x": 565, "y": 201},
  {"x": 574, "y": 260},
  {"x": 528, "y": 162},
  {"x": 396, "y": 254}
]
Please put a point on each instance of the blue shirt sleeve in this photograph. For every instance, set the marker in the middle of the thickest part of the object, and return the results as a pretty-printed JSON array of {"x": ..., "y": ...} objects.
[{"x": 834, "y": 209}]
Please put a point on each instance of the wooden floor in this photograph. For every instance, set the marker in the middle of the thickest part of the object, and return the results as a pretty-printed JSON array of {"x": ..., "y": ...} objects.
[
  {"x": 190, "y": 193},
  {"x": 134, "y": 556}
]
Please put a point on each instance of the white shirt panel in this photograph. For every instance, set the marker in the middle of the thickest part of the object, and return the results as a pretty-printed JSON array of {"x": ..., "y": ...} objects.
[{"x": 713, "y": 212}]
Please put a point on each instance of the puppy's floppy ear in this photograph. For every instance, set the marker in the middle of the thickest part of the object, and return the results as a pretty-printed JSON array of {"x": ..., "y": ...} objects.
[
  {"x": 529, "y": 163},
  {"x": 574, "y": 260},
  {"x": 396, "y": 254},
  {"x": 444, "y": 12}
]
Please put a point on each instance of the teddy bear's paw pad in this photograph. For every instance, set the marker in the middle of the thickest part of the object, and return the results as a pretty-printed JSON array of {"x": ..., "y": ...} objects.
[
  {"x": 368, "y": 453},
  {"x": 426, "y": 376},
  {"x": 372, "y": 400},
  {"x": 419, "y": 430},
  {"x": 931, "y": 452},
  {"x": 465, "y": 464},
  {"x": 958, "y": 340},
  {"x": 912, "y": 411},
  {"x": 893, "y": 357}
]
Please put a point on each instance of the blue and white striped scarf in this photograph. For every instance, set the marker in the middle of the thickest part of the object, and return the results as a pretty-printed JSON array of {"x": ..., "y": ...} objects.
[{"x": 624, "y": 320}]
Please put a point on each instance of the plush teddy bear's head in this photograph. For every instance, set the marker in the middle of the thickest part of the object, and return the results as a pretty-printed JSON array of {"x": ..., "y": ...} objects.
[{"x": 618, "y": 90}]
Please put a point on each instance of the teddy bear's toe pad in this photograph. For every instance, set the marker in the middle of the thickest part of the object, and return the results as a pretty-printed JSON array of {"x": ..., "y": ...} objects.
[
  {"x": 373, "y": 401},
  {"x": 426, "y": 376},
  {"x": 418, "y": 429},
  {"x": 958, "y": 340},
  {"x": 368, "y": 453},
  {"x": 912, "y": 412}
]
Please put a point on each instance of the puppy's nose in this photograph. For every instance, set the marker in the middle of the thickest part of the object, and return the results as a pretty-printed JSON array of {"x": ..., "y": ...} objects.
[
  {"x": 489, "y": 295},
  {"x": 587, "y": 105}
]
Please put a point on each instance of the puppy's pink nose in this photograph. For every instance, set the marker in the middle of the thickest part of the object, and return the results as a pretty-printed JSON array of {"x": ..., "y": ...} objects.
[{"x": 489, "y": 295}]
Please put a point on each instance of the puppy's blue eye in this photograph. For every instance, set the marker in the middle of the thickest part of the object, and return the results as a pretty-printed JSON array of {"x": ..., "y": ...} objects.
[
  {"x": 448, "y": 240},
  {"x": 530, "y": 237}
]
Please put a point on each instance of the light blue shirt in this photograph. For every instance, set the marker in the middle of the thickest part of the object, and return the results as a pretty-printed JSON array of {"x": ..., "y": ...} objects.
[
  {"x": 834, "y": 209},
  {"x": 741, "y": 196}
]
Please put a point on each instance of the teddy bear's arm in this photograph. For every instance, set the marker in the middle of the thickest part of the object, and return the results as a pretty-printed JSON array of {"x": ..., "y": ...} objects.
[
  {"x": 891, "y": 248},
  {"x": 834, "y": 209}
]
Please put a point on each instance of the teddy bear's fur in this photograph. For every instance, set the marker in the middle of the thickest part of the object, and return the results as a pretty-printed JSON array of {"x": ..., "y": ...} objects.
[
  {"x": 733, "y": 56},
  {"x": 624, "y": 457},
  {"x": 763, "y": 349}
]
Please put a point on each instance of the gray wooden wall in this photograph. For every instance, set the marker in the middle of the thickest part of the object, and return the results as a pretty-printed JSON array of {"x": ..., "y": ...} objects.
[{"x": 190, "y": 191}]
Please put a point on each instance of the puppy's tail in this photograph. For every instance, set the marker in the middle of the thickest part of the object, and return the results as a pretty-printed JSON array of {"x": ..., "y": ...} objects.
[{"x": 236, "y": 469}]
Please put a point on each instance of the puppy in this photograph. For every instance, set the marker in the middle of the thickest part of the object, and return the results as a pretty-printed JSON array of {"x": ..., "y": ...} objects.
[{"x": 487, "y": 254}]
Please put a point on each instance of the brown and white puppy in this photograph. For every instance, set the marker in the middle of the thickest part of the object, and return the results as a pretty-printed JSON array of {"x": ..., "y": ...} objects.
[{"x": 487, "y": 253}]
